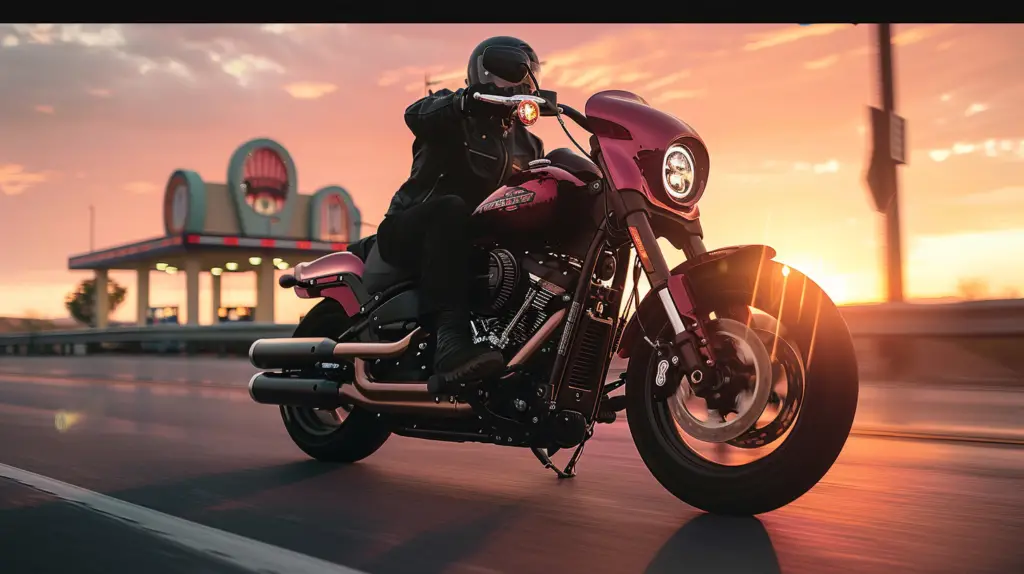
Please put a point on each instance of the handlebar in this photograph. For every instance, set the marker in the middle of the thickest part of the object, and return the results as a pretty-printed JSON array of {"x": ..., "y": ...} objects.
[{"x": 510, "y": 101}]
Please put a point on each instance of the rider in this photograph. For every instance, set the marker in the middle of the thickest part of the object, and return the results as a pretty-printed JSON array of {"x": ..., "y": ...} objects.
[{"x": 463, "y": 150}]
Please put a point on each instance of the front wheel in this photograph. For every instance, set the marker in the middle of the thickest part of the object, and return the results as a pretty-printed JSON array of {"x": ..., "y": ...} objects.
[
  {"x": 796, "y": 342},
  {"x": 346, "y": 434}
]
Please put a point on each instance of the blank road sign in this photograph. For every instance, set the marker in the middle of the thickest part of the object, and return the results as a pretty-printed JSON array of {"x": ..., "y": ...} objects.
[{"x": 897, "y": 139}]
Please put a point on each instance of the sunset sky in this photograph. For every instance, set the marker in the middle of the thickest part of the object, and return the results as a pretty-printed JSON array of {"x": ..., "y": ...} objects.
[{"x": 102, "y": 114}]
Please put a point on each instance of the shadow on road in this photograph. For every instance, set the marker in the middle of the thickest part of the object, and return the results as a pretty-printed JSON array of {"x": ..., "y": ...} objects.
[
  {"x": 348, "y": 514},
  {"x": 711, "y": 543}
]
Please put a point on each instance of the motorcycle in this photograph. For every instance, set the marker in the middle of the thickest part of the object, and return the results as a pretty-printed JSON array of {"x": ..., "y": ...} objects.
[{"x": 741, "y": 382}]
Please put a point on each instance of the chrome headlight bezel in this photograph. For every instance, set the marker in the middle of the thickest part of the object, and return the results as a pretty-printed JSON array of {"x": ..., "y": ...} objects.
[{"x": 688, "y": 174}]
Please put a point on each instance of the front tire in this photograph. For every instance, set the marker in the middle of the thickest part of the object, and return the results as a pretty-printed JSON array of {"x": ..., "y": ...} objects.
[
  {"x": 819, "y": 334},
  {"x": 326, "y": 436}
]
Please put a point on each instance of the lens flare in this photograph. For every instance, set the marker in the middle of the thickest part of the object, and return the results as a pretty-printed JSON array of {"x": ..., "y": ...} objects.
[{"x": 64, "y": 420}]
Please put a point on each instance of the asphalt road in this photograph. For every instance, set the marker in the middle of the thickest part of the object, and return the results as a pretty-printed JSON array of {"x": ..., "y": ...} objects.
[
  {"x": 211, "y": 457},
  {"x": 978, "y": 409}
]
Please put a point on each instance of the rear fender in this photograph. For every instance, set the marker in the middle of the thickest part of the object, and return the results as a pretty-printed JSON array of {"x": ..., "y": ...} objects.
[
  {"x": 651, "y": 310},
  {"x": 335, "y": 276}
]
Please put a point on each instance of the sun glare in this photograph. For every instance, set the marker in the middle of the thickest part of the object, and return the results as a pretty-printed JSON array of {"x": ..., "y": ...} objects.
[{"x": 836, "y": 285}]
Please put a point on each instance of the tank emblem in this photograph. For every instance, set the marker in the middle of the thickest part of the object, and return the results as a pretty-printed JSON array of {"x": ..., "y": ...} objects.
[{"x": 510, "y": 201}]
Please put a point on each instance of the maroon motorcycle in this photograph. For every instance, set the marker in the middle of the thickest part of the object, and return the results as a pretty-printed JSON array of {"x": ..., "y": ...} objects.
[{"x": 741, "y": 384}]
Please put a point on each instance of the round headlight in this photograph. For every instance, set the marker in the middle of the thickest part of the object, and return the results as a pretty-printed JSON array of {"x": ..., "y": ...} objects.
[{"x": 678, "y": 173}]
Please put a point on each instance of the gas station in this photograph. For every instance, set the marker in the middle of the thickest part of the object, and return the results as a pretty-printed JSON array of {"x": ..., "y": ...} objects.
[{"x": 256, "y": 222}]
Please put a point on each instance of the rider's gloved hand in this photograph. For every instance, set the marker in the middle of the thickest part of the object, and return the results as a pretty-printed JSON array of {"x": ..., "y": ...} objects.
[{"x": 475, "y": 108}]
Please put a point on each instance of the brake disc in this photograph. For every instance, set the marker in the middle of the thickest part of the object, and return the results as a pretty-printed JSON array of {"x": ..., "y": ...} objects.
[
  {"x": 786, "y": 361},
  {"x": 751, "y": 350}
]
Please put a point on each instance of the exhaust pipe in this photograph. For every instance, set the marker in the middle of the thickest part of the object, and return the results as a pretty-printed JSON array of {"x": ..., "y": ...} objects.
[
  {"x": 376, "y": 396},
  {"x": 291, "y": 353},
  {"x": 280, "y": 389},
  {"x": 301, "y": 353},
  {"x": 405, "y": 397}
]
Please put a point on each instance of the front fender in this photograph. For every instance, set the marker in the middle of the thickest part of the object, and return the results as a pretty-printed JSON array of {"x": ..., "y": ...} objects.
[{"x": 650, "y": 309}]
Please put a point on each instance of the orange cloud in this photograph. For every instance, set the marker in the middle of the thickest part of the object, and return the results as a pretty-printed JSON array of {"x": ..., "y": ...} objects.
[
  {"x": 43, "y": 109},
  {"x": 1006, "y": 149},
  {"x": 1001, "y": 196},
  {"x": 141, "y": 187},
  {"x": 668, "y": 80},
  {"x": 919, "y": 34},
  {"x": 15, "y": 180},
  {"x": 100, "y": 92},
  {"x": 673, "y": 95},
  {"x": 244, "y": 66},
  {"x": 88, "y": 35},
  {"x": 310, "y": 90},
  {"x": 596, "y": 65},
  {"x": 790, "y": 34},
  {"x": 589, "y": 67},
  {"x": 822, "y": 63}
]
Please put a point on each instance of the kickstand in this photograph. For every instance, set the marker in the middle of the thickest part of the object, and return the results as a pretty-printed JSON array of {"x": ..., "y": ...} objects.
[{"x": 570, "y": 468}]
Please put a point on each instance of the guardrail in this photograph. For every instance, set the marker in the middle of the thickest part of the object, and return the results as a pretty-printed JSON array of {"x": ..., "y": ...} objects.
[
  {"x": 222, "y": 333},
  {"x": 1002, "y": 318},
  {"x": 999, "y": 318}
]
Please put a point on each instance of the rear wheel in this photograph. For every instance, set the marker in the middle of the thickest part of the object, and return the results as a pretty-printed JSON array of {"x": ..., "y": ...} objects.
[
  {"x": 346, "y": 434},
  {"x": 798, "y": 344}
]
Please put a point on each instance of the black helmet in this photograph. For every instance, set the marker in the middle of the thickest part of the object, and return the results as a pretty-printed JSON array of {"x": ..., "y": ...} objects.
[{"x": 477, "y": 74}]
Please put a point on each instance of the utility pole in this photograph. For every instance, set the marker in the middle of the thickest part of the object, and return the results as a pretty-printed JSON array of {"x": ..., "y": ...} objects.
[
  {"x": 92, "y": 228},
  {"x": 889, "y": 132},
  {"x": 427, "y": 83}
]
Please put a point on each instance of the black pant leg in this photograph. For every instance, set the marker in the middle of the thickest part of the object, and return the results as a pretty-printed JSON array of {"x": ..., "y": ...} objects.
[{"x": 433, "y": 238}]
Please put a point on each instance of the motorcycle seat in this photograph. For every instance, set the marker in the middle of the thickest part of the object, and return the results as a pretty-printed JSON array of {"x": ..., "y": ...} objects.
[{"x": 378, "y": 274}]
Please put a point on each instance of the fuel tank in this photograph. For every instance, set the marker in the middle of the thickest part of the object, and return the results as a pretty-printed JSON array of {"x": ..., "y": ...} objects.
[{"x": 541, "y": 206}]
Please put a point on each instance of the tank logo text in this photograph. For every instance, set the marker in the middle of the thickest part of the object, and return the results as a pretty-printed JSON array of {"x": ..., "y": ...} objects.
[{"x": 513, "y": 198}]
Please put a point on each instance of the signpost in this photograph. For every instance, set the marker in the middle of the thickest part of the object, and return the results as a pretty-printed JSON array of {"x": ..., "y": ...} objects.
[{"x": 889, "y": 150}]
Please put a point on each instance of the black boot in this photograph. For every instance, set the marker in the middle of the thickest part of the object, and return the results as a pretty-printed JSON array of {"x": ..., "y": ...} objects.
[{"x": 456, "y": 359}]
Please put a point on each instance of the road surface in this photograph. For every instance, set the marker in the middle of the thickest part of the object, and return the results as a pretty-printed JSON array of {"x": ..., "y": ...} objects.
[
  {"x": 982, "y": 410},
  {"x": 208, "y": 457}
]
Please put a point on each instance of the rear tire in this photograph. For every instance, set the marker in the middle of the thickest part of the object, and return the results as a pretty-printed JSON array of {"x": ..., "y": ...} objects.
[
  {"x": 362, "y": 432},
  {"x": 821, "y": 428}
]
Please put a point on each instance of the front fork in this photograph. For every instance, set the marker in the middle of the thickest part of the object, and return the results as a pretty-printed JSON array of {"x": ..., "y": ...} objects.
[{"x": 690, "y": 342}]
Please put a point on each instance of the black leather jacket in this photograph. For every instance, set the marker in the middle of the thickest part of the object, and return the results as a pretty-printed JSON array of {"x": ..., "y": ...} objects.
[{"x": 456, "y": 154}]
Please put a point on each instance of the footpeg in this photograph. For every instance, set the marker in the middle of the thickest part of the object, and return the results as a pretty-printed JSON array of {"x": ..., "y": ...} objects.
[{"x": 613, "y": 404}]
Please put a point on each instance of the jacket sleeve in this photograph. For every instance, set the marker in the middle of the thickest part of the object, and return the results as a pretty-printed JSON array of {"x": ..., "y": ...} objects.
[{"x": 435, "y": 116}]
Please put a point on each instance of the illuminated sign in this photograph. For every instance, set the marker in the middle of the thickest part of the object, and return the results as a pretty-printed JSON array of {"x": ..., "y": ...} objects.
[
  {"x": 333, "y": 217},
  {"x": 263, "y": 184},
  {"x": 162, "y": 315},
  {"x": 184, "y": 203},
  {"x": 235, "y": 314}
]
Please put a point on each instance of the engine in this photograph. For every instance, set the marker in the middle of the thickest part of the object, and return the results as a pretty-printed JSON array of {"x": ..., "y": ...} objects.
[{"x": 524, "y": 291}]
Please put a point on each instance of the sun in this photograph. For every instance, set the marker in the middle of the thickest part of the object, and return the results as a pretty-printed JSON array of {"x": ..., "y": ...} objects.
[{"x": 836, "y": 285}]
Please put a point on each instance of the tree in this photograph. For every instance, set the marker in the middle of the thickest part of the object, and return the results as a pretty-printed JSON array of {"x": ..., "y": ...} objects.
[
  {"x": 79, "y": 302},
  {"x": 972, "y": 289}
]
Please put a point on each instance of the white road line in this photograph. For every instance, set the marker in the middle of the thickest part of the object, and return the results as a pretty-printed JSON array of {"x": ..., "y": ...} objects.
[{"x": 215, "y": 544}]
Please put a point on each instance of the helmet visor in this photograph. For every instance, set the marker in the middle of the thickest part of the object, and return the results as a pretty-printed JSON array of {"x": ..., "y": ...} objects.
[{"x": 526, "y": 86}]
